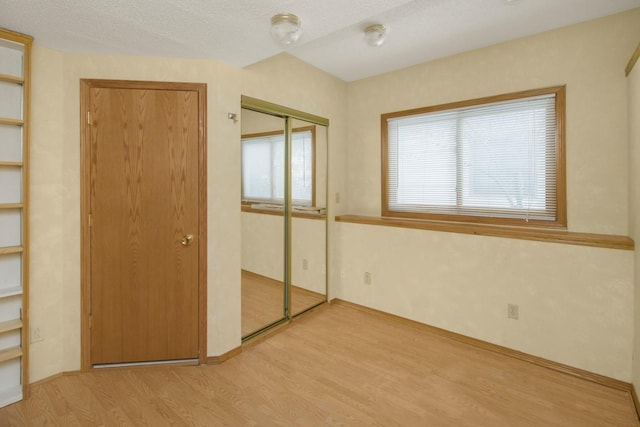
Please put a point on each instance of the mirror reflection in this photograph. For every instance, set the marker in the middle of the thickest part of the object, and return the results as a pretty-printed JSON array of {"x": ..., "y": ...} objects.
[
  {"x": 263, "y": 253},
  {"x": 267, "y": 298},
  {"x": 308, "y": 226}
]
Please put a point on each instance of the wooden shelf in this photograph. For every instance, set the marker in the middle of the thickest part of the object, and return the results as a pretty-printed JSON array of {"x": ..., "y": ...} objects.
[
  {"x": 11, "y": 164},
  {"x": 10, "y": 353},
  {"x": 280, "y": 212},
  {"x": 10, "y": 325},
  {"x": 11, "y": 250},
  {"x": 505, "y": 231},
  {"x": 9, "y": 292},
  {"x": 11, "y": 79},
  {"x": 11, "y": 205},
  {"x": 15, "y": 294},
  {"x": 12, "y": 122}
]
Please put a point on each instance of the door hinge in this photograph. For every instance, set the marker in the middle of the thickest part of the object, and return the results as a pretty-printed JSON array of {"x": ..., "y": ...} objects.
[
  {"x": 89, "y": 118},
  {"x": 90, "y": 220},
  {"x": 90, "y": 321}
]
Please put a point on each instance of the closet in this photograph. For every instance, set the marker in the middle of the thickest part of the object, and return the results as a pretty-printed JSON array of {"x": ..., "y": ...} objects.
[{"x": 284, "y": 214}]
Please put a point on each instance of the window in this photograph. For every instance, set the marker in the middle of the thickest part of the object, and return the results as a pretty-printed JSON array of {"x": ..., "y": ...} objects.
[
  {"x": 263, "y": 167},
  {"x": 493, "y": 160}
]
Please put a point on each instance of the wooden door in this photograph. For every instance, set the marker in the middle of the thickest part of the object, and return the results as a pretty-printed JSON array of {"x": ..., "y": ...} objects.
[{"x": 144, "y": 235}]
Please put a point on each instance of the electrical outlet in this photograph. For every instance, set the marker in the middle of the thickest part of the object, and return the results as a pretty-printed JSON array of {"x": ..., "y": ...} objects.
[
  {"x": 343, "y": 274},
  {"x": 305, "y": 264},
  {"x": 367, "y": 278},
  {"x": 337, "y": 198},
  {"x": 513, "y": 311},
  {"x": 36, "y": 334}
]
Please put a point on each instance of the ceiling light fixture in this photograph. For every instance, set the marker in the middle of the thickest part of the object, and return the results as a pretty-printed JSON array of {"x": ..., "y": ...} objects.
[
  {"x": 375, "y": 34},
  {"x": 285, "y": 28}
]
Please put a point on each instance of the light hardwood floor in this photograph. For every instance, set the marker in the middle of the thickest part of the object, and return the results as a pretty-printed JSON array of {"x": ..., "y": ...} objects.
[
  {"x": 263, "y": 301},
  {"x": 335, "y": 366}
]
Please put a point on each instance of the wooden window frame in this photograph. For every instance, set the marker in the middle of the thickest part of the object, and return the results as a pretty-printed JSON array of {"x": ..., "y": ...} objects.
[
  {"x": 560, "y": 222},
  {"x": 247, "y": 203}
]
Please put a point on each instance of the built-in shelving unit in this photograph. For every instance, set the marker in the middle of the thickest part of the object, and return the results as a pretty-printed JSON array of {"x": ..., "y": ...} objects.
[{"x": 15, "y": 52}]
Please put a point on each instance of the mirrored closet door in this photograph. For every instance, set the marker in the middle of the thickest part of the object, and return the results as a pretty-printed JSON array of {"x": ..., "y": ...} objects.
[
  {"x": 284, "y": 192},
  {"x": 263, "y": 222},
  {"x": 308, "y": 216}
]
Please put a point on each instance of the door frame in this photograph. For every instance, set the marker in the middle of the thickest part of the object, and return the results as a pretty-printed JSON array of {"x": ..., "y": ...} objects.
[{"x": 85, "y": 196}]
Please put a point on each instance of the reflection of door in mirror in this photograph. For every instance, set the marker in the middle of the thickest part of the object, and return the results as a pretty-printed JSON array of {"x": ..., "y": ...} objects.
[
  {"x": 263, "y": 252},
  {"x": 308, "y": 226}
]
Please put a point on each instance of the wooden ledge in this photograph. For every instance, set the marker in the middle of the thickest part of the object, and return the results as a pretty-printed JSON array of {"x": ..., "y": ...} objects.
[
  {"x": 247, "y": 208},
  {"x": 10, "y": 325},
  {"x": 6, "y": 250},
  {"x": 11, "y": 122},
  {"x": 11, "y": 205},
  {"x": 11, "y": 79},
  {"x": 10, "y": 353},
  {"x": 511, "y": 232}
]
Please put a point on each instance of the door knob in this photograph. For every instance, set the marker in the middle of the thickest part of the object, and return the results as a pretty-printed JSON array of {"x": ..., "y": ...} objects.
[{"x": 187, "y": 239}]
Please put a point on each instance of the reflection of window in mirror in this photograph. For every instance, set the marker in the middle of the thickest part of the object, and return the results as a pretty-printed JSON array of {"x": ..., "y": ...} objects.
[{"x": 263, "y": 168}]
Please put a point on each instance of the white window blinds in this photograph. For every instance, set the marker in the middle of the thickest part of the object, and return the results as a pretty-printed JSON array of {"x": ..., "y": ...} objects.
[
  {"x": 263, "y": 168},
  {"x": 493, "y": 160}
]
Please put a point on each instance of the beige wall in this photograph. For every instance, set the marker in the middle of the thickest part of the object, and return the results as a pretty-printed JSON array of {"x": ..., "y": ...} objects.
[
  {"x": 263, "y": 249},
  {"x": 287, "y": 81},
  {"x": 575, "y": 302},
  {"x": 633, "y": 85},
  {"x": 588, "y": 58},
  {"x": 263, "y": 234},
  {"x": 47, "y": 215},
  {"x": 55, "y": 181}
]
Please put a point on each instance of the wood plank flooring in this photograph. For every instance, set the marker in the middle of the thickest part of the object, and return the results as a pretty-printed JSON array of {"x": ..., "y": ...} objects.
[
  {"x": 263, "y": 301},
  {"x": 335, "y": 366}
]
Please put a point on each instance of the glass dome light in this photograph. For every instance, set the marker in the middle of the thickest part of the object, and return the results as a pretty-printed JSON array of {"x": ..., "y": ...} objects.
[
  {"x": 375, "y": 34},
  {"x": 285, "y": 28}
]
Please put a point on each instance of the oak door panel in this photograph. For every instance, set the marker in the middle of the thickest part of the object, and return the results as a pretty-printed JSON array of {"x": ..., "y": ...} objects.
[{"x": 144, "y": 200}]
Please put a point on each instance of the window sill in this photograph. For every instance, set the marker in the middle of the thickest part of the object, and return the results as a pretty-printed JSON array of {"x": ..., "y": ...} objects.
[
  {"x": 279, "y": 212},
  {"x": 537, "y": 234}
]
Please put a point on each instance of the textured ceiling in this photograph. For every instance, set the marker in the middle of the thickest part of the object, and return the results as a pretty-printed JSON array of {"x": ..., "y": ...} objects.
[{"x": 237, "y": 31}]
